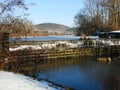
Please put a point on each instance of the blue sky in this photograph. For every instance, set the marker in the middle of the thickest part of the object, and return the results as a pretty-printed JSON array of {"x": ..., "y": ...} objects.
[{"x": 55, "y": 11}]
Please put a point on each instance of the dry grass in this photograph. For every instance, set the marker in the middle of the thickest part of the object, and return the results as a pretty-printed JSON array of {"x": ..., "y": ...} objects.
[{"x": 37, "y": 34}]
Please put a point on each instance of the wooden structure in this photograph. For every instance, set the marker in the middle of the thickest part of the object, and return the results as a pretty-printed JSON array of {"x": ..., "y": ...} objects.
[
  {"x": 53, "y": 54},
  {"x": 4, "y": 42},
  {"x": 29, "y": 61}
]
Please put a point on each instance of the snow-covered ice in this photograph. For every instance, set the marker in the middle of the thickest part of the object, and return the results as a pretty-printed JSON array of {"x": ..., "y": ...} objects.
[{"x": 11, "y": 81}]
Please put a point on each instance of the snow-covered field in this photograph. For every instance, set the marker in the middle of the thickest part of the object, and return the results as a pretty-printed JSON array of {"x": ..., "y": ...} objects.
[{"x": 11, "y": 81}]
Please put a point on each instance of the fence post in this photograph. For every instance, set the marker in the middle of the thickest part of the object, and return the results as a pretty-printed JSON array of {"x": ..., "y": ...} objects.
[{"x": 4, "y": 42}]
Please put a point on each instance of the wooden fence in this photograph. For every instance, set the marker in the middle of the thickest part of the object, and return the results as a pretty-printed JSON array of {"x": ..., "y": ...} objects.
[{"x": 28, "y": 61}]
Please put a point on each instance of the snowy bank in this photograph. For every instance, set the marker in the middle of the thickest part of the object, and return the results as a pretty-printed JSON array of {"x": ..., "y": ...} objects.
[{"x": 11, "y": 81}]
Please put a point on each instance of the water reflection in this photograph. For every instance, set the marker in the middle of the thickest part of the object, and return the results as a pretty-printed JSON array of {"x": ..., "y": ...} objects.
[{"x": 82, "y": 73}]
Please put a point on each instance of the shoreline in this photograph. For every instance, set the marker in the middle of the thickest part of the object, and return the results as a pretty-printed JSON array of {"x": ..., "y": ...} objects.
[{"x": 33, "y": 35}]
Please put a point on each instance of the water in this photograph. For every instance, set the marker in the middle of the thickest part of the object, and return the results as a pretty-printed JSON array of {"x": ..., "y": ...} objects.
[
  {"x": 82, "y": 74},
  {"x": 48, "y": 38}
]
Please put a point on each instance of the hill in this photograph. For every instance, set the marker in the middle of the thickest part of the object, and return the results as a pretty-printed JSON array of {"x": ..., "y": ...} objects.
[{"x": 52, "y": 28}]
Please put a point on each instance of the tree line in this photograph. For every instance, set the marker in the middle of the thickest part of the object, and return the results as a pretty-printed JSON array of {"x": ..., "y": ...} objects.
[{"x": 98, "y": 16}]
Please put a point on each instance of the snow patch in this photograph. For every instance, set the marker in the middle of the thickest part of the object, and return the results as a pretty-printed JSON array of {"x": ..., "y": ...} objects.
[
  {"x": 21, "y": 47},
  {"x": 11, "y": 81}
]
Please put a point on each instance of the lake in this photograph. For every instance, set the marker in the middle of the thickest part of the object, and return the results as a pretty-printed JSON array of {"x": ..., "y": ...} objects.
[{"x": 83, "y": 73}]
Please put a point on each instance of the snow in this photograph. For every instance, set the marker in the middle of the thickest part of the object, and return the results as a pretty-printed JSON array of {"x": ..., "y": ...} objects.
[
  {"x": 45, "y": 46},
  {"x": 116, "y": 31},
  {"x": 11, "y": 81},
  {"x": 21, "y": 47},
  {"x": 48, "y": 46},
  {"x": 65, "y": 44}
]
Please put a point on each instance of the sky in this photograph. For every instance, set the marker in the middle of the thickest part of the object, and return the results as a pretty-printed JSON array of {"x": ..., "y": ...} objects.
[{"x": 54, "y": 11}]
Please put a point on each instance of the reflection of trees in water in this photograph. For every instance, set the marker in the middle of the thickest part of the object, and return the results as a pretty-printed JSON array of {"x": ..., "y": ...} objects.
[
  {"x": 104, "y": 74},
  {"x": 107, "y": 75},
  {"x": 54, "y": 64}
]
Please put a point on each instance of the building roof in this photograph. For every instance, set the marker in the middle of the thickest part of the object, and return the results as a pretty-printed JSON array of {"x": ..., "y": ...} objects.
[{"x": 116, "y": 31}]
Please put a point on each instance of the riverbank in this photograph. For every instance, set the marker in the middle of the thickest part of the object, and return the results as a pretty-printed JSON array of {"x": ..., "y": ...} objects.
[
  {"x": 11, "y": 81},
  {"x": 36, "y": 34},
  {"x": 29, "y": 34}
]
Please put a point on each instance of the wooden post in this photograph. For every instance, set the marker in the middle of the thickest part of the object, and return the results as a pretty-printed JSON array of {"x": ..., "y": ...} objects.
[{"x": 4, "y": 39}]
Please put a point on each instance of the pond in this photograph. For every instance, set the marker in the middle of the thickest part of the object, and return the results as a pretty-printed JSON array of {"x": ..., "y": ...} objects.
[{"x": 83, "y": 73}]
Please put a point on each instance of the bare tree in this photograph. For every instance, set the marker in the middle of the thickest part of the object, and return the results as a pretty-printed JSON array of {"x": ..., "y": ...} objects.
[
  {"x": 20, "y": 26},
  {"x": 114, "y": 7},
  {"x": 113, "y": 12},
  {"x": 10, "y": 22},
  {"x": 91, "y": 17},
  {"x": 101, "y": 14},
  {"x": 7, "y": 6}
]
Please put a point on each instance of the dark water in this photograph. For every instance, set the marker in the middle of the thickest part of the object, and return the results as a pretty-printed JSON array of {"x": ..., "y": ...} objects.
[{"x": 82, "y": 74}]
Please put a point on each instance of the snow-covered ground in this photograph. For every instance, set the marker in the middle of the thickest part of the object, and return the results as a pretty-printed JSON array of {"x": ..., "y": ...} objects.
[{"x": 11, "y": 81}]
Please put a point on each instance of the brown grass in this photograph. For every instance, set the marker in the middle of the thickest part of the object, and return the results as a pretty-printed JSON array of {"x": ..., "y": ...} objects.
[{"x": 37, "y": 34}]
